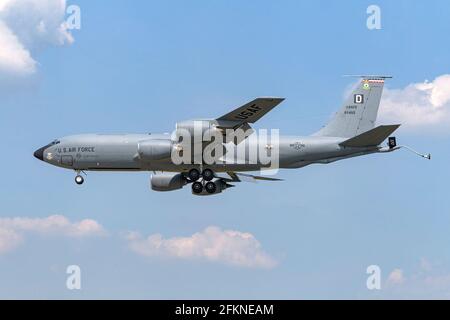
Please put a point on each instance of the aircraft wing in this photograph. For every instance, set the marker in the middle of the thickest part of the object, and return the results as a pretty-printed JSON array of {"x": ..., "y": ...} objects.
[
  {"x": 250, "y": 112},
  {"x": 242, "y": 177}
]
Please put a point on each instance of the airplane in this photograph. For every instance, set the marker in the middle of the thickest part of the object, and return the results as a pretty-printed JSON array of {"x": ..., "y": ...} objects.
[{"x": 350, "y": 133}]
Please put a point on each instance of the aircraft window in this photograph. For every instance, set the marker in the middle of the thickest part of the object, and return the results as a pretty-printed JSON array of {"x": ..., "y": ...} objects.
[{"x": 55, "y": 142}]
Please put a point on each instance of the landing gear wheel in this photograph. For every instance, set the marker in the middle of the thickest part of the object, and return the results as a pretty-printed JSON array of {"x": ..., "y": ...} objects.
[
  {"x": 197, "y": 187},
  {"x": 79, "y": 180},
  {"x": 211, "y": 187},
  {"x": 208, "y": 174},
  {"x": 194, "y": 175}
]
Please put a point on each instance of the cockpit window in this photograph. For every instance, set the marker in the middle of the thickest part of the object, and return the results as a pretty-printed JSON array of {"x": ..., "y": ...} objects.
[{"x": 55, "y": 142}]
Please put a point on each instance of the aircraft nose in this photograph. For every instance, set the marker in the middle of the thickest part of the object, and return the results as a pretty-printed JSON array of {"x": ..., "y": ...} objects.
[{"x": 39, "y": 153}]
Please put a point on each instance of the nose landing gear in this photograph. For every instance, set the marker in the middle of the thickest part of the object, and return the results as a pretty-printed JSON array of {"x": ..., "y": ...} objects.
[{"x": 79, "y": 180}]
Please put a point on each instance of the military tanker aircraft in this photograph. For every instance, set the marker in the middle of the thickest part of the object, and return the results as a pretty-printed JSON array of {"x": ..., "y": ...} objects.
[{"x": 350, "y": 133}]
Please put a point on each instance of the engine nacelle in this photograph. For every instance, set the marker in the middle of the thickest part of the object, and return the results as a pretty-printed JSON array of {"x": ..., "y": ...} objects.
[
  {"x": 204, "y": 130},
  {"x": 167, "y": 181},
  {"x": 199, "y": 127},
  {"x": 155, "y": 150}
]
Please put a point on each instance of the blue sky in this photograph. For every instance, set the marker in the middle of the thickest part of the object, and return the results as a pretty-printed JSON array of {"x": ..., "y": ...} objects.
[{"x": 143, "y": 66}]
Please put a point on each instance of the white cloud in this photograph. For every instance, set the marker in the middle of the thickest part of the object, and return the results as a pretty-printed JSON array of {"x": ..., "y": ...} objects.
[
  {"x": 9, "y": 239},
  {"x": 425, "y": 265},
  {"x": 27, "y": 26},
  {"x": 13, "y": 230},
  {"x": 212, "y": 244},
  {"x": 396, "y": 277},
  {"x": 418, "y": 104},
  {"x": 425, "y": 281},
  {"x": 14, "y": 58}
]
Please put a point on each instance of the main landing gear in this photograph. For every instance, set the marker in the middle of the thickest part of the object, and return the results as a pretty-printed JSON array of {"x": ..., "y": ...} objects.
[
  {"x": 194, "y": 175},
  {"x": 206, "y": 174},
  {"x": 207, "y": 184},
  {"x": 211, "y": 187},
  {"x": 197, "y": 187}
]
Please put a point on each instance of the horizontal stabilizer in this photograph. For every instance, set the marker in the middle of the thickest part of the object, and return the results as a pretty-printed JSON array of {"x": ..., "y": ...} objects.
[{"x": 371, "y": 138}]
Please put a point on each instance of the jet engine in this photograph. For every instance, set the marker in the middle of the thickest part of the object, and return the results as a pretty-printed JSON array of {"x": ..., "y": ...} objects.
[
  {"x": 194, "y": 127},
  {"x": 205, "y": 129},
  {"x": 154, "y": 149},
  {"x": 167, "y": 181}
]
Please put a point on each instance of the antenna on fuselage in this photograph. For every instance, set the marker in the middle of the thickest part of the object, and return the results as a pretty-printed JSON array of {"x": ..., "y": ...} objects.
[{"x": 369, "y": 77}]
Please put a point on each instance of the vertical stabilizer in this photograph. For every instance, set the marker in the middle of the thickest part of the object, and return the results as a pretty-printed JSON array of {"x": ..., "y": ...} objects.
[{"x": 360, "y": 110}]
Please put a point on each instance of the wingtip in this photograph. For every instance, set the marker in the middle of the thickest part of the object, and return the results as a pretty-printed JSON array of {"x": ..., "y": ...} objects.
[{"x": 273, "y": 98}]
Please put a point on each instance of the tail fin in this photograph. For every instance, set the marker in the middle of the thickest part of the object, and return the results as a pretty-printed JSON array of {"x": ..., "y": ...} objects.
[{"x": 359, "y": 112}]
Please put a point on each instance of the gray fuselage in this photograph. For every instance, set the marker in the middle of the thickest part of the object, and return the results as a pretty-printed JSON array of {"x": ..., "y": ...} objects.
[{"x": 120, "y": 152}]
